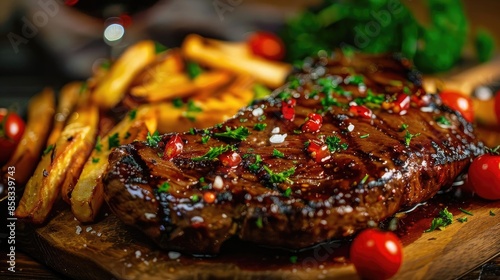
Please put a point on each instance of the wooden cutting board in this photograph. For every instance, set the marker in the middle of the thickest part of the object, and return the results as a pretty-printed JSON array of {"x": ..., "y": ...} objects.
[{"x": 110, "y": 250}]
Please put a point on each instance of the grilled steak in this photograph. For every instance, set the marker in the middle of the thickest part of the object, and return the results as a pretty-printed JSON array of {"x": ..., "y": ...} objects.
[{"x": 346, "y": 143}]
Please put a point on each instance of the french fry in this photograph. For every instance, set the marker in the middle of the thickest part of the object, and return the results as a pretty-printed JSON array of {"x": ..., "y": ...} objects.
[
  {"x": 68, "y": 99},
  {"x": 166, "y": 64},
  {"x": 40, "y": 115},
  {"x": 111, "y": 88},
  {"x": 60, "y": 166},
  {"x": 214, "y": 108},
  {"x": 88, "y": 194},
  {"x": 234, "y": 57}
]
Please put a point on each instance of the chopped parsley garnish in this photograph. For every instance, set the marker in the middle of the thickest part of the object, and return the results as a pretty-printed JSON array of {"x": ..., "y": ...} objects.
[
  {"x": 258, "y": 222},
  {"x": 404, "y": 127},
  {"x": 192, "y": 131},
  {"x": 293, "y": 259},
  {"x": 297, "y": 131},
  {"x": 444, "y": 219},
  {"x": 466, "y": 212},
  {"x": 106, "y": 64},
  {"x": 365, "y": 179},
  {"x": 240, "y": 133},
  {"x": 127, "y": 135},
  {"x": 178, "y": 103},
  {"x": 159, "y": 48},
  {"x": 98, "y": 145},
  {"x": 192, "y": 110},
  {"x": 260, "y": 126},
  {"x": 284, "y": 95},
  {"x": 205, "y": 138},
  {"x": 371, "y": 100},
  {"x": 164, "y": 187},
  {"x": 49, "y": 149},
  {"x": 243, "y": 120},
  {"x": 154, "y": 139},
  {"x": 355, "y": 80},
  {"x": 462, "y": 220},
  {"x": 95, "y": 160},
  {"x": 262, "y": 118},
  {"x": 195, "y": 198},
  {"x": 256, "y": 165},
  {"x": 113, "y": 141},
  {"x": 260, "y": 91},
  {"x": 213, "y": 152},
  {"x": 294, "y": 82},
  {"x": 84, "y": 87},
  {"x": 132, "y": 114},
  {"x": 278, "y": 154},
  {"x": 406, "y": 90},
  {"x": 334, "y": 145},
  {"x": 202, "y": 180},
  {"x": 280, "y": 177},
  {"x": 364, "y": 136},
  {"x": 443, "y": 121},
  {"x": 193, "y": 69},
  {"x": 492, "y": 213},
  {"x": 288, "y": 192},
  {"x": 408, "y": 135}
]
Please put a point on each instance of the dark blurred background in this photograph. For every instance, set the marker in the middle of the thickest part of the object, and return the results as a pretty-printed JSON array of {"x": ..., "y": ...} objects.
[{"x": 51, "y": 42}]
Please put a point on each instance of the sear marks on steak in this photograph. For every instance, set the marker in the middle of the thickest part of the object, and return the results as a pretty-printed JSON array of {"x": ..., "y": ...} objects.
[{"x": 301, "y": 180}]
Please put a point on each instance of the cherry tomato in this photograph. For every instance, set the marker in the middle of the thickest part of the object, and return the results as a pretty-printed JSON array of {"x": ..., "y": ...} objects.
[
  {"x": 313, "y": 123},
  {"x": 288, "y": 109},
  {"x": 318, "y": 151},
  {"x": 11, "y": 130},
  {"x": 484, "y": 176},
  {"x": 458, "y": 102},
  {"x": 376, "y": 254},
  {"x": 173, "y": 147},
  {"x": 230, "y": 159},
  {"x": 266, "y": 45},
  {"x": 362, "y": 111}
]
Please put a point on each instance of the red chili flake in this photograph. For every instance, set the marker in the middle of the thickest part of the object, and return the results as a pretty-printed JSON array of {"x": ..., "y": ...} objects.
[
  {"x": 313, "y": 123},
  {"x": 230, "y": 159},
  {"x": 288, "y": 109},
  {"x": 362, "y": 111},
  {"x": 401, "y": 104},
  {"x": 318, "y": 151},
  {"x": 173, "y": 147}
]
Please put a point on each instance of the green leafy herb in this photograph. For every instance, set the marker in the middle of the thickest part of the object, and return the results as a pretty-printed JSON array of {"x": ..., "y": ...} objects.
[
  {"x": 159, "y": 48},
  {"x": 355, "y": 80},
  {"x": 95, "y": 160},
  {"x": 205, "y": 138},
  {"x": 334, "y": 145},
  {"x": 462, "y": 220},
  {"x": 284, "y": 95},
  {"x": 195, "y": 198},
  {"x": 260, "y": 126},
  {"x": 243, "y": 120},
  {"x": 202, "y": 180},
  {"x": 365, "y": 179},
  {"x": 443, "y": 121},
  {"x": 262, "y": 118},
  {"x": 404, "y": 127},
  {"x": 113, "y": 141},
  {"x": 258, "y": 222},
  {"x": 213, "y": 153},
  {"x": 132, "y": 114},
  {"x": 364, "y": 136},
  {"x": 288, "y": 192},
  {"x": 406, "y": 90},
  {"x": 49, "y": 149},
  {"x": 256, "y": 165},
  {"x": 178, "y": 103},
  {"x": 444, "y": 219},
  {"x": 98, "y": 144},
  {"x": 294, "y": 82},
  {"x": 278, "y": 154},
  {"x": 164, "y": 187},
  {"x": 409, "y": 136},
  {"x": 193, "y": 69},
  {"x": 492, "y": 213},
  {"x": 240, "y": 133},
  {"x": 192, "y": 131},
  {"x": 106, "y": 64},
  {"x": 260, "y": 91},
  {"x": 371, "y": 100},
  {"x": 127, "y": 135},
  {"x": 280, "y": 177},
  {"x": 293, "y": 259},
  {"x": 192, "y": 110},
  {"x": 466, "y": 212},
  {"x": 154, "y": 139},
  {"x": 84, "y": 87}
]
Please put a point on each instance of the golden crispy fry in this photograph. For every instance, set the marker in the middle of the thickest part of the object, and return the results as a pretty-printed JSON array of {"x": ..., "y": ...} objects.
[
  {"x": 213, "y": 108},
  {"x": 61, "y": 166},
  {"x": 234, "y": 57},
  {"x": 179, "y": 85},
  {"x": 40, "y": 115},
  {"x": 88, "y": 194},
  {"x": 166, "y": 64},
  {"x": 68, "y": 98},
  {"x": 113, "y": 86}
]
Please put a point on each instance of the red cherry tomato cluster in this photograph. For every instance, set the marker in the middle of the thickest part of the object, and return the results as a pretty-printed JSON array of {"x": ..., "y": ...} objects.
[
  {"x": 173, "y": 147},
  {"x": 313, "y": 123},
  {"x": 484, "y": 176},
  {"x": 318, "y": 151},
  {"x": 401, "y": 104},
  {"x": 361, "y": 111},
  {"x": 376, "y": 254},
  {"x": 267, "y": 45},
  {"x": 11, "y": 130},
  {"x": 288, "y": 109},
  {"x": 230, "y": 159},
  {"x": 458, "y": 102}
]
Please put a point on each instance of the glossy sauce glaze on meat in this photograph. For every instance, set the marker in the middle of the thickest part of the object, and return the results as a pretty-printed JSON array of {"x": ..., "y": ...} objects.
[{"x": 346, "y": 143}]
